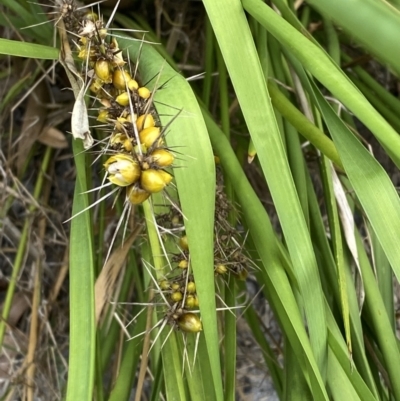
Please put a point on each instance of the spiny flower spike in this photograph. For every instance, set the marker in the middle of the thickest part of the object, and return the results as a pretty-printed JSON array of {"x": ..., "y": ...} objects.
[{"x": 138, "y": 158}]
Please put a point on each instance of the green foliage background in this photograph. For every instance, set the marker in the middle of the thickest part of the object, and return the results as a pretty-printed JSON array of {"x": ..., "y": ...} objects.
[{"x": 296, "y": 99}]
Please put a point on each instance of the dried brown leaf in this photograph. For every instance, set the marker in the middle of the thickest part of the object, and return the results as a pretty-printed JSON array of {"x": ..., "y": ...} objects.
[{"x": 53, "y": 137}]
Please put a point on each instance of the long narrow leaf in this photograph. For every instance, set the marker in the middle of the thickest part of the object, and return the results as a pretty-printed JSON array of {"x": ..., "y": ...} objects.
[
  {"x": 321, "y": 66},
  {"x": 195, "y": 179},
  {"x": 260, "y": 119}
]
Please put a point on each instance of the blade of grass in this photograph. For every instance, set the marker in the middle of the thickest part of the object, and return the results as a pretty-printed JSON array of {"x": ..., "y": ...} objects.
[
  {"x": 322, "y": 246},
  {"x": 19, "y": 258},
  {"x": 81, "y": 277},
  {"x": 339, "y": 356},
  {"x": 130, "y": 361},
  {"x": 30, "y": 50},
  {"x": 303, "y": 125},
  {"x": 315, "y": 60},
  {"x": 259, "y": 116},
  {"x": 371, "y": 183},
  {"x": 274, "y": 276},
  {"x": 358, "y": 16},
  {"x": 382, "y": 329},
  {"x": 195, "y": 179},
  {"x": 337, "y": 243}
]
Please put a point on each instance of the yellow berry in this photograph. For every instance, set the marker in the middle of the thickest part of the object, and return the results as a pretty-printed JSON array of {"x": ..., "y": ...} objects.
[
  {"x": 123, "y": 99},
  {"x": 102, "y": 70},
  {"x": 189, "y": 322},
  {"x": 149, "y": 136},
  {"x": 183, "y": 243},
  {"x": 220, "y": 269},
  {"x": 92, "y": 16},
  {"x": 162, "y": 157},
  {"x": 144, "y": 93},
  {"x": 145, "y": 121},
  {"x": 137, "y": 195},
  {"x": 191, "y": 287},
  {"x": 176, "y": 296},
  {"x": 103, "y": 116},
  {"x": 164, "y": 284},
  {"x": 155, "y": 180},
  {"x": 190, "y": 302},
  {"x": 120, "y": 79},
  {"x": 183, "y": 264},
  {"x": 122, "y": 170},
  {"x": 175, "y": 286},
  {"x": 133, "y": 85}
]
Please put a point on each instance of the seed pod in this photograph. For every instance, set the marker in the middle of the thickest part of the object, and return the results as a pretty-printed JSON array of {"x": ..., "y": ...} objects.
[
  {"x": 183, "y": 243},
  {"x": 149, "y": 136},
  {"x": 189, "y": 322},
  {"x": 145, "y": 121},
  {"x": 102, "y": 70},
  {"x": 96, "y": 85},
  {"x": 190, "y": 302},
  {"x": 164, "y": 284},
  {"x": 155, "y": 180},
  {"x": 137, "y": 195},
  {"x": 120, "y": 79},
  {"x": 123, "y": 99},
  {"x": 162, "y": 157},
  {"x": 220, "y": 269},
  {"x": 133, "y": 85},
  {"x": 91, "y": 16},
  {"x": 183, "y": 264},
  {"x": 144, "y": 93},
  {"x": 123, "y": 170},
  {"x": 176, "y": 296},
  {"x": 191, "y": 287},
  {"x": 103, "y": 116}
]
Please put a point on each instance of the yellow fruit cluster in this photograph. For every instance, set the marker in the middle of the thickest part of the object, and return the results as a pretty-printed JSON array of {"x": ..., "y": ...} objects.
[
  {"x": 179, "y": 289},
  {"x": 137, "y": 153},
  {"x": 137, "y": 157}
]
